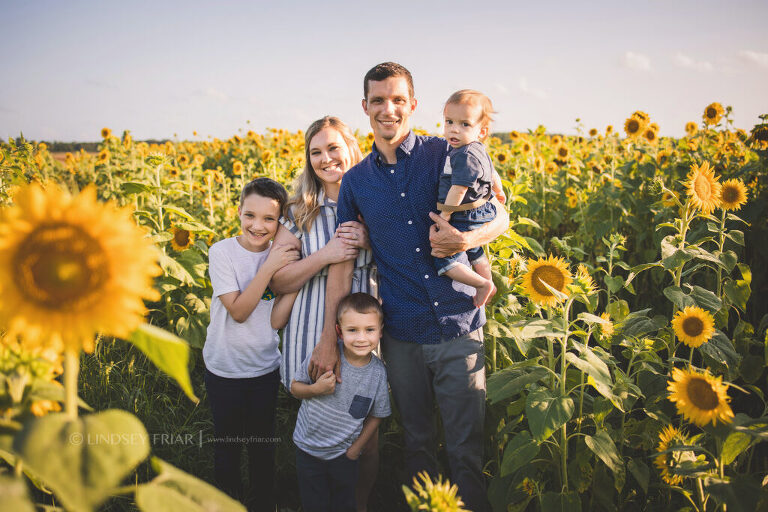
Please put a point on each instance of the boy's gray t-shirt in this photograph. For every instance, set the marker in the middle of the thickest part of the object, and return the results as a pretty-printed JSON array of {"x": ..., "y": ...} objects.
[
  {"x": 468, "y": 166},
  {"x": 327, "y": 425}
]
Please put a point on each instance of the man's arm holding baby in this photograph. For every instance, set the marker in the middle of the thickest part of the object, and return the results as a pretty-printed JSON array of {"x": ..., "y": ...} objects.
[{"x": 447, "y": 240}]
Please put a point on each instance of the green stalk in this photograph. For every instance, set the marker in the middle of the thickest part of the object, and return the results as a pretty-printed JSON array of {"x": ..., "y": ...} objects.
[
  {"x": 563, "y": 367},
  {"x": 720, "y": 245}
]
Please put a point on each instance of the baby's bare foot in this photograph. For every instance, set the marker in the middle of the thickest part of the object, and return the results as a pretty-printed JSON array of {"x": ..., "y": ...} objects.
[{"x": 484, "y": 293}]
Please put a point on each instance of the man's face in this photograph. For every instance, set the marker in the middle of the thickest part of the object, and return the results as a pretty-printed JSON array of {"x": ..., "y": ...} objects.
[{"x": 389, "y": 106}]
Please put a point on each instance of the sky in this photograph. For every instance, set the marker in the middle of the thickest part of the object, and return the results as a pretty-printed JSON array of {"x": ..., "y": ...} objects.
[{"x": 165, "y": 69}]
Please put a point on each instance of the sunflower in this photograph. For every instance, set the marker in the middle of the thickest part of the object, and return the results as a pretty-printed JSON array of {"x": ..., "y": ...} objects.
[
  {"x": 501, "y": 157},
  {"x": 369, "y": 137},
  {"x": 106, "y": 133},
  {"x": 713, "y": 113},
  {"x": 642, "y": 116},
  {"x": 556, "y": 140},
  {"x": 183, "y": 160},
  {"x": 552, "y": 271},
  {"x": 606, "y": 329},
  {"x": 285, "y": 151},
  {"x": 71, "y": 267},
  {"x": 584, "y": 280},
  {"x": 562, "y": 152},
  {"x": 127, "y": 140},
  {"x": 528, "y": 486},
  {"x": 691, "y": 128},
  {"x": 733, "y": 194},
  {"x": 514, "y": 135},
  {"x": 266, "y": 156},
  {"x": 103, "y": 155},
  {"x": 437, "y": 495},
  {"x": 633, "y": 126},
  {"x": 237, "y": 168},
  {"x": 237, "y": 139},
  {"x": 538, "y": 163},
  {"x": 650, "y": 135},
  {"x": 693, "y": 326},
  {"x": 662, "y": 158},
  {"x": 182, "y": 238},
  {"x": 703, "y": 188},
  {"x": 526, "y": 148},
  {"x": 551, "y": 168},
  {"x": 573, "y": 202},
  {"x": 700, "y": 397},
  {"x": 609, "y": 129},
  {"x": 592, "y": 132},
  {"x": 669, "y": 438}
]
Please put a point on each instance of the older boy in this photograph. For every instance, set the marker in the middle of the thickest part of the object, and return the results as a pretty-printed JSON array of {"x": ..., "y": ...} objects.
[{"x": 433, "y": 340}]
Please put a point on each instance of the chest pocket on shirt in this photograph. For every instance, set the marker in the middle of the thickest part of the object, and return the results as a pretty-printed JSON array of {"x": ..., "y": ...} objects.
[{"x": 359, "y": 407}]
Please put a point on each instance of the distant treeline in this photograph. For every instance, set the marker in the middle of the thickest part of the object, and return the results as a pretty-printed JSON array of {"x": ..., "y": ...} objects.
[{"x": 71, "y": 147}]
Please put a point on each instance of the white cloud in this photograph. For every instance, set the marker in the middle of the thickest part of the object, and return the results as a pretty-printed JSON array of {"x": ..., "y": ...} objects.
[
  {"x": 526, "y": 89},
  {"x": 212, "y": 93},
  {"x": 685, "y": 61},
  {"x": 761, "y": 59},
  {"x": 636, "y": 61}
]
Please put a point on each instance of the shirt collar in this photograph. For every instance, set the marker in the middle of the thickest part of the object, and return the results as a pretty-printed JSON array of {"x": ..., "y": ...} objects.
[
  {"x": 323, "y": 200},
  {"x": 405, "y": 147}
]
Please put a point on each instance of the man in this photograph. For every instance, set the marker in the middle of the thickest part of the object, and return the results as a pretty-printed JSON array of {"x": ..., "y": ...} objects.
[{"x": 433, "y": 341}]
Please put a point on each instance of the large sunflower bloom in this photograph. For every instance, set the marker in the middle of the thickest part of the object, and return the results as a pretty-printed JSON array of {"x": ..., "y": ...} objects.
[
  {"x": 700, "y": 397},
  {"x": 71, "y": 267},
  {"x": 691, "y": 128},
  {"x": 633, "y": 126},
  {"x": 713, "y": 113},
  {"x": 106, "y": 133},
  {"x": 693, "y": 326},
  {"x": 552, "y": 271},
  {"x": 703, "y": 188},
  {"x": 733, "y": 194},
  {"x": 669, "y": 438},
  {"x": 182, "y": 238}
]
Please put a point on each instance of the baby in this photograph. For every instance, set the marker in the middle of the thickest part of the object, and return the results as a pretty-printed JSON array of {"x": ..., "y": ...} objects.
[{"x": 466, "y": 185}]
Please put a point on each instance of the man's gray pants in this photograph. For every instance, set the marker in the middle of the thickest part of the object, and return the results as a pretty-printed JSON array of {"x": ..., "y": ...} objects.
[{"x": 453, "y": 372}]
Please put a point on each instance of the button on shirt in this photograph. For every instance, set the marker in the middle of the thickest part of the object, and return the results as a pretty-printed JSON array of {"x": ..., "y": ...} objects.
[{"x": 419, "y": 305}]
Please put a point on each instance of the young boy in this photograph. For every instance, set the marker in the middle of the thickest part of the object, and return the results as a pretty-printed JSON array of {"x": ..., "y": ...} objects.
[
  {"x": 466, "y": 185},
  {"x": 336, "y": 420}
]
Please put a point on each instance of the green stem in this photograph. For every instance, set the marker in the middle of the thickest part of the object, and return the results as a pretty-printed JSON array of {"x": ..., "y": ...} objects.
[
  {"x": 721, "y": 243},
  {"x": 71, "y": 371}
]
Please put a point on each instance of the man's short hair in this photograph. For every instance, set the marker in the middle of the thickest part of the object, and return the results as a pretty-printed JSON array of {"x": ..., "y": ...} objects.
[
  {"x": 359, "y": 303},
  {"x": 386, "y": 70}
]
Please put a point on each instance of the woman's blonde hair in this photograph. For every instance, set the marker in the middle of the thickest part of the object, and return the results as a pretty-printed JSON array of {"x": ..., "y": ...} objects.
[{"x": 308, "y": 186}]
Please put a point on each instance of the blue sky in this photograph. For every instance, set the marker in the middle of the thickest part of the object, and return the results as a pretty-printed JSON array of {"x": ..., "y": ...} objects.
[{"x": 163, "y": 68}]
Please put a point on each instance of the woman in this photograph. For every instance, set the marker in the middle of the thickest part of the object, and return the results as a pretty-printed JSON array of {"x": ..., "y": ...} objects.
[{"x": 330, "y": 150}]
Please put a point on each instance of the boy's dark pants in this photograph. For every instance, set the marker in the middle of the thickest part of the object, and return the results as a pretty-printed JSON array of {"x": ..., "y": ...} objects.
[
  {"x": 326, "y": 485},
  {"x": 244, "y": 409}
]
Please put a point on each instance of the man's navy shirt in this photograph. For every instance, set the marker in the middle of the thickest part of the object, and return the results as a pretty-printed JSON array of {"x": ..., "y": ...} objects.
[{"x": 395, "y": 201}]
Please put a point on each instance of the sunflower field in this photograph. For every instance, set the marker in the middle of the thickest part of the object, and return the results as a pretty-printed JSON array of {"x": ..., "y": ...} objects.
[{"x": 626, "y": 348}]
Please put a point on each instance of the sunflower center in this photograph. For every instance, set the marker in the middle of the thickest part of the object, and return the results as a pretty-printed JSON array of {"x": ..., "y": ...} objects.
[
  {"x": 730, "y": 194},
  {"x": 181, "y": 237},
  {"x": 60, "y": 267},
  {"x": 702, "y": 187},
  {"x": 633, "y": 126},
  {"x": 702, "y": 395},
  {"x": 551, "y": 275},
  {"x": 711, "y": 113},
  {"x": 693, "y": 326}
]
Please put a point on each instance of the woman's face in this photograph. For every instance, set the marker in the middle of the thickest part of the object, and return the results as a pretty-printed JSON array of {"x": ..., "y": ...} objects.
[{"x": 329, "y": 155}]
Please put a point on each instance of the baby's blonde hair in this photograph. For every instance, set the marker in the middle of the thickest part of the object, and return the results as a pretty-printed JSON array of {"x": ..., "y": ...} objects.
[{"x": 472, "y": 97}]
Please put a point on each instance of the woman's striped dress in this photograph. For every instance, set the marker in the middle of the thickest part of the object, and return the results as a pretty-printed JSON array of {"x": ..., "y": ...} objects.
[{"x": 303, "y": 329}]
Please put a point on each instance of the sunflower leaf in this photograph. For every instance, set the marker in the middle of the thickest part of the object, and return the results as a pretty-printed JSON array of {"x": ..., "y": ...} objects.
[
  {"x": 547, "y": 413},
  {"x": 603, "y": 446},
  {"x": 168, "y": 352},
  {"x": 519, "y": 452}
]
